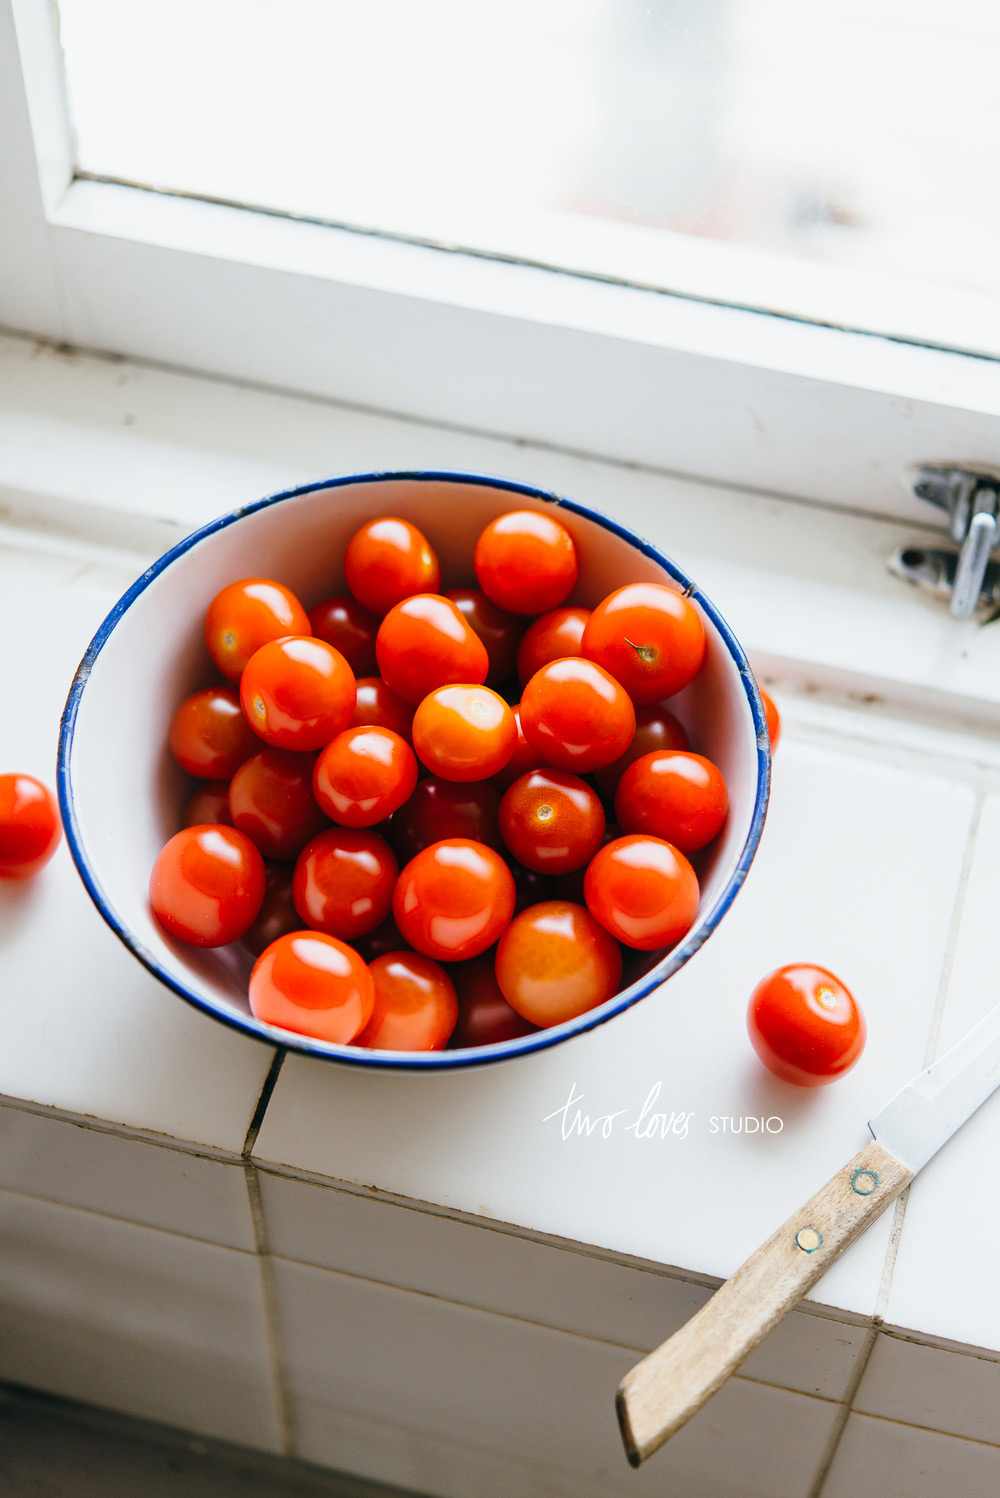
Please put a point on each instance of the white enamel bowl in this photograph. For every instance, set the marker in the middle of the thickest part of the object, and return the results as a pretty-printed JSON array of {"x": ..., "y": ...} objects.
[{"x": 121, "y": 793}]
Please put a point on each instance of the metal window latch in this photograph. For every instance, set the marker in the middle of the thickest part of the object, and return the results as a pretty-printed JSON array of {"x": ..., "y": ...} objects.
[{"x": 971, "y": 496}]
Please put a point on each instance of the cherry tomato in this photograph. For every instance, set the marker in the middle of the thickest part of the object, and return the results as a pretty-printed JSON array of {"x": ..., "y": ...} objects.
[
  {"x": 298, "y": 693},
  {"x": 655, "y": 728},
  {"x": 555, "y": 961},
  {"x": 380, "y": 707},
  {"x": 210, "y": 803},
  {"x": 576, "y": 715},
  {"x": 314, "y": 985},
  {"x": 484, "y": 1016},
  {"x": 679, "y": 797},
  {"x": 552, "y": 821},
  {"x": 344, "y": 881},
  {"x": 525, "y": 562},
  {"x": 415, "y": 1004},
  {"x": 424, "y": 643},
  {"x": 349, "y": 628},
  {"x": 643, "y": 891},
  {"x": 386, "y": 561},
  {"x": 524, "y": 758},
  {"x": 805, "y": 1025},
  {"x": 209, "y": 736},
  {"x": 244, "y": 616},
  {"x": 498, "y": 630},
  {"x": 773, "y": 717},
  {"x": 364, "y": 775},
  {"x": 550, "y": 638},
  {"x": 453, "y": 900},
  {"x": 29, "y": 826},
  {"x": 440, "y": 809},
  {"x": 384, "y": 938},
  {"x": 464, "y": 732},
  {"x": 207, "y": 886},
  {"x": 271, "y": 800},
  {"x": 649, "y": 637},
  {"x": 277, "y": 915}
]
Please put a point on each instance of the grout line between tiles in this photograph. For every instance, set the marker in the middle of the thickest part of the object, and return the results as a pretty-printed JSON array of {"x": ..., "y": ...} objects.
[
  {"x": 933, "y": 1430},
  {"x": 137, "y": 1134},
  {"x": 843, "y": 1412},
  {"x": 132, "y": 1222}
]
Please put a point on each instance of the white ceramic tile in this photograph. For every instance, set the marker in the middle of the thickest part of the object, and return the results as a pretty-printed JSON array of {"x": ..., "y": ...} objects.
[
  {"x": 137, "y": 1320},
  {"x": 857, "y": 871},
  {"x": 948, "y": 1391},
  {"x": 518, "y": 1390},
  {"x": 900, "y": 1461},
  {"x": 122, "y": 1177},
  {"x": 554, "y": 1286}
]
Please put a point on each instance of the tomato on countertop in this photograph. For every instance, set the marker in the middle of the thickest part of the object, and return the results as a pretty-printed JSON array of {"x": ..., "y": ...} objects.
[
  {"x": 30, "y": 828},
  {"x": 805, "y": 1025}
]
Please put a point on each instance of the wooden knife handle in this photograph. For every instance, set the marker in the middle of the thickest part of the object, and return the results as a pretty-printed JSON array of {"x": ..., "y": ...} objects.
[{"x": 661, "y": 1393}]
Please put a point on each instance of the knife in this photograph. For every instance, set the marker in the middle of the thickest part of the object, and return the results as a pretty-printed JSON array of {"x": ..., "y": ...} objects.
[{"x": 661, "y": 1393}]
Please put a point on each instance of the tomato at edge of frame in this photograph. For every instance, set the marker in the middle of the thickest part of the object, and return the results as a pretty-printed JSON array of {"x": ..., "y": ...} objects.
[{"x": 30, "y": 829}]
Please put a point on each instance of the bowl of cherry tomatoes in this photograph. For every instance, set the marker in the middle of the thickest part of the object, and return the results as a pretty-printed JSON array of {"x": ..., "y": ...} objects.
[{"x": 418, "y": 770}]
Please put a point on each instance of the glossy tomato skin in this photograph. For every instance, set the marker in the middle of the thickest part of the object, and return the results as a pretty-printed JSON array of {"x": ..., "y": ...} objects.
[
  {"x": 576, "y": 716},
  {"x": 386, "y": 561},
  {"x": 679, "y": 797},
  {"x": 554, "y": 962},
  {"x": 464, "y": 732},
  {"x": 379, "y": 706},
  {"x": 440, "y": 809},
  {"x": 643, "y": 891},
  {"x": 343, "y": 882},
  {"x": 312, "y": 984},
  {"x": 773, "y": 717},
  {"x": 271, "y": 800},
  {"x": 484, "y": 1016},
  {"x": 525, "y": 561},
  {"x": 30, "y": 828},
  {"x": 207, "y": 885},
  {"x": 277, "y": 914},
  {"x": 344, "y": 624},
  {"x": 364, "y": 775},
  {"x": 298, "y": 693},
  {"x": 656, "y": 728},
  {"x": 415, "y": 1004},
  {"x": 499, "y": 631},
  {"x": 209, "y": 736},
  {"x": 246, "y": 615},
  {"x": 453, "y": 900},
  {"x": 650, "y": 638},
  {"x": 805, "y": 1025},
  {"x": 424, "y": 643},
  {"x": 210, "y": 803},
  {"x": 524, "y": 758},
  {"x": 550, "y": 638},
  {"x": 552, "y": 821}
]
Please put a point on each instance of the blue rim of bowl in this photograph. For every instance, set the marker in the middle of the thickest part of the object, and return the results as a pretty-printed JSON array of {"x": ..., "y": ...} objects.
[{"x": 402, "y": 1060}]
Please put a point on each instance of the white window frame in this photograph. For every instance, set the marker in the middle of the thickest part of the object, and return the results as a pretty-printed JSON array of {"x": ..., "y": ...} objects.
[{"x": 659, "y": 379}]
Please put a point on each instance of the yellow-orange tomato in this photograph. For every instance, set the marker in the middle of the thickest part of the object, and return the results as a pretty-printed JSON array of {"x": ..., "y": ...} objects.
[
  {"x": 555, "y": 961},
  {"x": 314, "y": 985},
  {"x": 244, "y": 616},
  {"x": 773, "y": 718},
  {"x": 415, "y": 1004},
  {"x": 464, "y": 732}
]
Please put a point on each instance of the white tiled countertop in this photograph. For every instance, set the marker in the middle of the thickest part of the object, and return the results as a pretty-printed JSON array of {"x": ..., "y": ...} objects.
[{"x": 161, "y": 1162}]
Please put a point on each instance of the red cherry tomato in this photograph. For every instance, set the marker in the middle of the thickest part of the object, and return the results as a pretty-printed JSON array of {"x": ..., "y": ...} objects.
[
  {"x": 453, "y": 900},
  {"x": 277, "y": 915},
  {"x": 349, "y": 628},
  {"x": 244, "y": 616},
  {"x": 805, "y": 1025},
  {"x": 314, "y": 985},
  {"x": 464, "y": 732},
  {"x": 552, "y": 821},
  {"x": 29, "y": 826},
  {"x": 271, "y": 800},
  {"x": 576, "y": 715},
  {"x": 380, "y": 707},
  {"x": 298, "y": 693},
  {"x": 440, "y": 809},
  {"x": 207, "y": 886},
  {"x": 679, "y": 797},
  {"x": 773, "y": 717},
  {"x": 210, "y": 803},
  {"x": 364, "y": 775},
  {"x": 424, "y": 643},
  {"x": 655, "y": 728},
  {"x": 499, "y": 631},
  {"x": 551, "y": 638},
  {"x": 484, "y": 1016},
  {"x": 555, "y": 961},
  {"x": 386, "y": 561},
  {"x": 649, "y": 637},
  {"x": 415, "y": 1004},
  {"x": 344, "y": 881},
  {"x": 524, "y": 758},
  {"x": 526, "y": 562},
  {"x": 643, "y": 891},
  {"x": 209, "y": 736}
]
